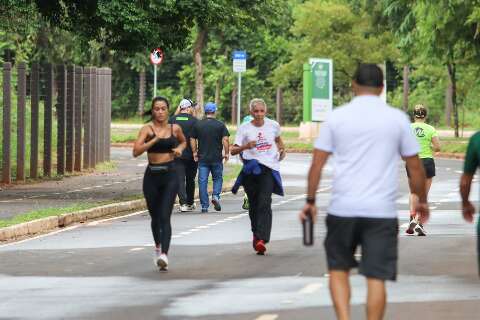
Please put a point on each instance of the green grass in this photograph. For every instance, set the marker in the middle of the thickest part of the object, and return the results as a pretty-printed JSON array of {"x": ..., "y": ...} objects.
[
  {"x": 455, "y": 145},
  {"x": 117, "y": 137},
  {"x": 131, "y": 120},
  {"x": 44, "y": 213},
  {"x": 106, "y": 166}
]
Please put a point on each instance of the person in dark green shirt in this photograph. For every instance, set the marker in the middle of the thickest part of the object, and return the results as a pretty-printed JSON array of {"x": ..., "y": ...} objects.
[
  {"x": 427, "y": 138},
  {"x": 472, "y": 162}
]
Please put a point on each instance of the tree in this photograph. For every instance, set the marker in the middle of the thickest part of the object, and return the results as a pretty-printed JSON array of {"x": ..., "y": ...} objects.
[
  {"x": 332, "y": 29},
  {"x": 446, "y": 31},
  {"x": 122, "y": 25}
]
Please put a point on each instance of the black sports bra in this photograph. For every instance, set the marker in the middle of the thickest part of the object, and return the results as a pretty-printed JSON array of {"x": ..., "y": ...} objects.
[{"x": 163, "y": 145}]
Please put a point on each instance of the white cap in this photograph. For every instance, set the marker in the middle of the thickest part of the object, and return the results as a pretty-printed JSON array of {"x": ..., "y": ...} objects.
[{"x": 185, "y": 103}]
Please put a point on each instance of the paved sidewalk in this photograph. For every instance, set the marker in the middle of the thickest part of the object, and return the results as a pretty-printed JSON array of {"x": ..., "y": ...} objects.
[{"x": 120, "y": 183}]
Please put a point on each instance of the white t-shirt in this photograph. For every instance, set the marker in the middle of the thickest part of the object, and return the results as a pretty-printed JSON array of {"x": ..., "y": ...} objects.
[
  {"x": 367, "y": 138},
  {"x": 266, "y": 151}
]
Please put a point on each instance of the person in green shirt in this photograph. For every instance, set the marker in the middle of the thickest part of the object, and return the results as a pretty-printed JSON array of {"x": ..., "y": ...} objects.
[
  {"x": 427, "y": 138},
  {"x": 472, "y": 162}
]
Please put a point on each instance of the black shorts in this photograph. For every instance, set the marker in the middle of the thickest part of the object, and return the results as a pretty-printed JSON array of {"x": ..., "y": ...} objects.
[
  {"x": 377, "y": 238},
  {"x": 429, "y": 166}
]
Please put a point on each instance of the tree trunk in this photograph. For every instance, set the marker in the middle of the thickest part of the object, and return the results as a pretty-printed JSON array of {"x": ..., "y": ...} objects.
[
  {"x": 279, "y": 105},
  {"x": 141, "y": 93},
  {"x": 197, "y": 56},
  {"x": 406, "y": 87},
  {"x": 234, "y": 105},
  {"x": 217, "y": 92},
  {"x": 448, "y": 103},
  {"x": 453, "y": 81}
]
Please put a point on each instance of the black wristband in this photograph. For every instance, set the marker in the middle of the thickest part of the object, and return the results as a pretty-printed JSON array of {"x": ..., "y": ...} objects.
[{"x": 310, "y": 200}]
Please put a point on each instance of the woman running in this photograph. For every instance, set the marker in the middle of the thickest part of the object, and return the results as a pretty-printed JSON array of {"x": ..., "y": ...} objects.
[
  {"x": 427, "y": 137},
  {"x": 163, "y": 142}
]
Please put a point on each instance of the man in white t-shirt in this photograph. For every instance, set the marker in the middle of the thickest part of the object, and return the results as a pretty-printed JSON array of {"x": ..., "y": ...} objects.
[
  {"x": 262, "y": 148},
  {"x": 366, "y": 138}
]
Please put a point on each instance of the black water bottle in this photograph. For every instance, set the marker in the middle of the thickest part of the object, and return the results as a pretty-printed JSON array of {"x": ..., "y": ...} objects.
[{"x": 308, "y": 230}]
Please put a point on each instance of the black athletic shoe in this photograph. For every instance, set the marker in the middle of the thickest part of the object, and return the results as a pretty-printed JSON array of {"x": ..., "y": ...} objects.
[{"x": 216, "y": 204}]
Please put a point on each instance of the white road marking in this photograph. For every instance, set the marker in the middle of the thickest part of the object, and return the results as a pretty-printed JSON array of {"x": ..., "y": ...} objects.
[
  {"x": 311, "y": 288},
  {"x": 267, "y": 317},
  {"x": 185, "y": 233},
  {"x": 93, "y": 223},
  {"x": 136, "y": 249}
]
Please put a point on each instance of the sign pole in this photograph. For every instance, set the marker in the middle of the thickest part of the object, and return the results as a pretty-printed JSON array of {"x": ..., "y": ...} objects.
[
  {"x": 239, "y": 98},
  {"x": 239, "y": 65},
  {"x": 156, "y": 57},
  {"x": 154, "y": 80}
]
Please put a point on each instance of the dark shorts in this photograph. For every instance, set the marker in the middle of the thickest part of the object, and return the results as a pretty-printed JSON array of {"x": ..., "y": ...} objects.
[
  {"x": 377, "y": 238},
  {"x": 428, "y": 165}
]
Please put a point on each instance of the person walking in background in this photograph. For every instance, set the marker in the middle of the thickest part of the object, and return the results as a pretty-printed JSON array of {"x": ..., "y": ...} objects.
[
  {"x": 262, "y": 149},
  {"x": 362, "y": 209},
  {"x": 209, "y": 137},
  {"x": 472, "y": 162},
  {"x": 427, "y": 137},
  {"x": 163, "y": 142},
  {"x": 185, "y": 164}
]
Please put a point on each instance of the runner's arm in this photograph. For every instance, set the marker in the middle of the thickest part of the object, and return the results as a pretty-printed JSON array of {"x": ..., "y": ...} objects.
[
  {"x": 280, "y": 146},
  {"x": 436, "y": 144},
  {"x": 320, "y": 157},
  {"x": 140, "y": 146},
  {"x": 181, "y": 138},
  {"x": 226, "y": 146},
  {"x": 468, "y": 210}
]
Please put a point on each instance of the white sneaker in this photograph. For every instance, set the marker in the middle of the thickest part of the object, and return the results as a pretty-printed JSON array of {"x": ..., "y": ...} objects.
[
  {"x": 192, "y": 207},
  {"x": 184, "y": 208},
  {"x": 161, "y": 261},
  {"x": 420, "y": 231},
  {"x": 411, "y": 226}
]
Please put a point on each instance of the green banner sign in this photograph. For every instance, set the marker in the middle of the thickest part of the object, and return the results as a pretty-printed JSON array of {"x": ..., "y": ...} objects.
[{"x": 322, "y": 88}]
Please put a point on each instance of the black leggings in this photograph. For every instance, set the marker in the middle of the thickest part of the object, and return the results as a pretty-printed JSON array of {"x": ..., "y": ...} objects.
[
  {"x": 160, "y": 186},
  {"x": 259, "y": 189}
]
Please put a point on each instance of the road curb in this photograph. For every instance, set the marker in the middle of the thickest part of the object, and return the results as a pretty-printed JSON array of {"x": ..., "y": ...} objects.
[
  {"x": 50, "y": 223},
  {"x": 43, "y": 225}
]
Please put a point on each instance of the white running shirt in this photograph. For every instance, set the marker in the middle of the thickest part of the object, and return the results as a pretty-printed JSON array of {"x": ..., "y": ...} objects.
[
  {"x": 265, "y": 151},
  {"x": 367, "y": 138}
]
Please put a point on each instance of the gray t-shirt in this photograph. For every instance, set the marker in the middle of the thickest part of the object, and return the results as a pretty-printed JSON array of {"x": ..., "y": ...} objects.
[{"x": 367, "y": 138}]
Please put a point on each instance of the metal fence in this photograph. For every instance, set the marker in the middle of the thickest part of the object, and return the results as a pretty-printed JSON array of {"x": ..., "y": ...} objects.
[{"x": 66, "y": 105}]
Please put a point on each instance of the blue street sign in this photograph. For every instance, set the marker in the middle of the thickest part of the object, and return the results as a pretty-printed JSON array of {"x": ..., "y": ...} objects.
[{"x": 239, "y": 55}]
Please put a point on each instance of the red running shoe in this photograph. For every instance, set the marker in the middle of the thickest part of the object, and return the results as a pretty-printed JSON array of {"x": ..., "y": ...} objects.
[{"x": 260, "y": 247}]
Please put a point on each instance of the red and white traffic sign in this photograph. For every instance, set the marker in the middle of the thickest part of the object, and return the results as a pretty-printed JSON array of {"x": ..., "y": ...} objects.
[{"x": 156, "y": 56}]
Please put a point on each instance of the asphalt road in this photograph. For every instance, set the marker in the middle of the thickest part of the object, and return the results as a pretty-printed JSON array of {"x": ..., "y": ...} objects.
[{"x": 104, "y": 269}]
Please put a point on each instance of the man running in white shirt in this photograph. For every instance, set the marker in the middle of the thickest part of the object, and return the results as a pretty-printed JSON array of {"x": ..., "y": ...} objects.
[{"x": 367, "y": 138}]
